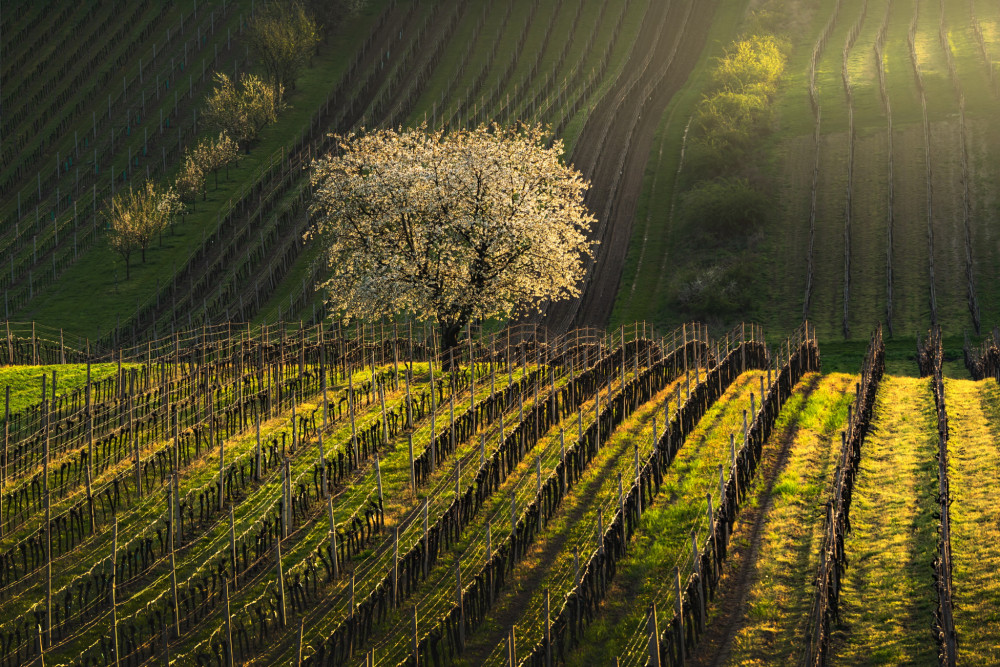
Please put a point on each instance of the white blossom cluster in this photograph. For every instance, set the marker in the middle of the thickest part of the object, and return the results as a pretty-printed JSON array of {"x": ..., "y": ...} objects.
[{"x": 452, "y": 226}]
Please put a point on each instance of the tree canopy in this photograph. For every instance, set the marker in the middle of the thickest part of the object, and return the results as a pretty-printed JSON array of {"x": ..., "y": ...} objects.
[
  {"x": 242, "y": 109},
  {"x": 283, "y": 36},
  {"x": 136, "y": 216},
  {"x": 453, "y": 226}
]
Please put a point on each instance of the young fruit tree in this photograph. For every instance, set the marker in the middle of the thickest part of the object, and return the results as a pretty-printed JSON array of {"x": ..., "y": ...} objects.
[
  {"x": 136, "y": 217},
  {"x": 243, "y": 109},
  {"x": 283, "y": 37},
  {"x": 452, "y": 226}
]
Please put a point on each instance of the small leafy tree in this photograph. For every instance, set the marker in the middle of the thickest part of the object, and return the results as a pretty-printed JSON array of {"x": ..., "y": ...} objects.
[
  {"x": 329, "y": 13},
  {"x": 137, "y": 216},
  {"x": 243, "y": 109},
  {"x": 471, "y": 224},
  {"x": 752, "y": 65},
  {"x": 213, "y": 155},
  {"x": 190, "y": 180},
  {"x": 283, "y": 36}
]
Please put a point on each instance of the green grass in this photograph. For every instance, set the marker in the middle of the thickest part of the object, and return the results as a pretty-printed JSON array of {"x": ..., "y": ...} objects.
[
  {"x": 887, "y": 598},
  {"x": 663, "y": 539},
  {"x": 781, "y": 585},
  {"x": 973, "y": 465},
  {"x": 25, "y": 382},
  {"x": 95, "y": 273},
  {"x": 643, "y": 294}
]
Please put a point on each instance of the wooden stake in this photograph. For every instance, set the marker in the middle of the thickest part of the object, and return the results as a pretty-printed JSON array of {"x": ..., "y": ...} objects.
[
  {"x": 426, "y": 538},
  {"x": 679, "y": 612},
  {"x": 232, "y": 547},
  {"x": 114, "y": 592},
  {"x": 653, "y": 629},
  {"x": 413, "y": 470},
  {"x": 416, "y": 641},
  {"x": 229, "y": 625},
  {"x": 548, "y": 632},
  {"x": 281, "y": 583}
]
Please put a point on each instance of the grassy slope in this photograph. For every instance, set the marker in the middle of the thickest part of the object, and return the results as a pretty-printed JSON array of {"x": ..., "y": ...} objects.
[
  {"x": 974, "y": 461},
  {"x": 658, "y": 256},
  {"x": 645, "y": 287},
  {"x": 887, "y": 600},
  {"x": 551, "y": 557},
  {"x": 25, "y": 382},
  {"x": 776, "y": 608},
  {"x": 95, "y": 274}
]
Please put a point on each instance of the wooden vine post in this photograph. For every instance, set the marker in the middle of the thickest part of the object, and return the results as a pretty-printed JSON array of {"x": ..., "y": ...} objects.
[
  {"x": 281, "y": 582},
  {"x": 229, "y": 625},
  {"x": 334, "y": 558},
  {"x": 653, "y": 629},
  {"x": 6, "y": 441},
  {"x": 48, "y": 517},
  {"x": 232, "y": 547},
  {"x": 114, "y": 593}
]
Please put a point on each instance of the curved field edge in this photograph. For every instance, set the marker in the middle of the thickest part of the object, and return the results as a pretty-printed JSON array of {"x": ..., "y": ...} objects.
[{"x": 652, "y": 232}]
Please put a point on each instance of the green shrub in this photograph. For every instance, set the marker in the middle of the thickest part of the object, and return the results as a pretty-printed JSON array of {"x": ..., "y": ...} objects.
[{"x": 725, "y": 208}]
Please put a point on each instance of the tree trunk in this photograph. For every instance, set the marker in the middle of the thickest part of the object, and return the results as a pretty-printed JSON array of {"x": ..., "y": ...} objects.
[{"x": 449, "y": 340}]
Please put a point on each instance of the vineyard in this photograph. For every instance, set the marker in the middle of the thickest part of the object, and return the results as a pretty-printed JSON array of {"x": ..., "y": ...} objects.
[
  {"x": 332, "y": 495},
  {"x": 239, "y": 255},
  {"x": 202, "y": 464}
]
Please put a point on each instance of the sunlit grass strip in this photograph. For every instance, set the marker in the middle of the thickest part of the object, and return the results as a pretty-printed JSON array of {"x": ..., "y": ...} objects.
[
  {"x": 456, "y": 518},
  {"x": 781, "y": 586},
  {"x": 146, "y": 519},
  {"x": 683, "y": 629},
  {"x": 663, "y": 537},
  {"x": 974, "y": 412},
  {"x": 887, "y": 595},
  {"x": 832, "y": 557},
  {"x": 545, "y": 504},
  {"x": 260, "y": 515}
]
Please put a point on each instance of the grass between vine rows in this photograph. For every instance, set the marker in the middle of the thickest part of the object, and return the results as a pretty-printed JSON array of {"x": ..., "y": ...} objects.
[
  {"x": 549, "y": 562},
  {"x": 664, "y": 536},
  {"x": 973, "y": 469},
  {"x": 887, "y": 600},
  {"x": 496, "y": 511},
  {"x": 777, "y": 542},
  {"x": 25, "y": 382},
  {"x": 95, "y": 273}
]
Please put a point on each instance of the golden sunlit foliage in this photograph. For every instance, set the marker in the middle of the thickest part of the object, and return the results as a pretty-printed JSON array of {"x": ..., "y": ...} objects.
[
  {"x": 136, "y": 216},
  {"x": 282, "y": 37},
  {"x": 243, "y": 109}
]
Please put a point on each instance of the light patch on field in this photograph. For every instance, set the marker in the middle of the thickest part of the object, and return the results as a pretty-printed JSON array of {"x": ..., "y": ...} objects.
[
  {"x": 974, "y": 471},
  {"x": 781, "y": 585},
  {"x": 887, "y": 598}
]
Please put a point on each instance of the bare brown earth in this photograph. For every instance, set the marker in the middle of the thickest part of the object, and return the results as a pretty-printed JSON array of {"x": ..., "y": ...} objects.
[{"x": 626, "y": 118}]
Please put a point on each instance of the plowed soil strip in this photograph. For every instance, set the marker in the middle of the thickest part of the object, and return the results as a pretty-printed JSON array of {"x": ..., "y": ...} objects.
[{"x": 887, "y": 600}]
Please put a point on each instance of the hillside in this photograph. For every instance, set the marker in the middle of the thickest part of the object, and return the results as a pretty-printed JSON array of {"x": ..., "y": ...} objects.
[{"x": 882, "y": 180}]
